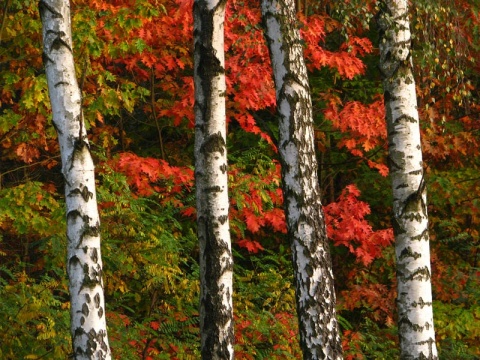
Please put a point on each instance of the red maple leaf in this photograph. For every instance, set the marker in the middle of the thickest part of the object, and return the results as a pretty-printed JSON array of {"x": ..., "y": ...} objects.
[
  {"x": 347, "y": 226},
  {"x": 253, "y": 221},
  {"x": 276, "y": 218},
  {"x": 251, "y": 245}
]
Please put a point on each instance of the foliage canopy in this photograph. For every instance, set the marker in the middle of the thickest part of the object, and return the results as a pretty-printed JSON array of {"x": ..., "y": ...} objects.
[{"x": 134, "y": 65}]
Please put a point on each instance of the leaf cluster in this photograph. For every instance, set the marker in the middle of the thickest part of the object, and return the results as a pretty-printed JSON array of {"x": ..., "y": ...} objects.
[{"x": 134, "y": 65}]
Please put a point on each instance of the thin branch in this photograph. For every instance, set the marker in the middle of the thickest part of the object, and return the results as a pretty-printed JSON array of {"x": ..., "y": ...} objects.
[
  {"x": 4, "y": 17},
  {"x": 369, "y": 156},
  {"x": 154, "y": 113},
  {"x": 28, "y": 165},
  {"x": 472, "y": 179}
]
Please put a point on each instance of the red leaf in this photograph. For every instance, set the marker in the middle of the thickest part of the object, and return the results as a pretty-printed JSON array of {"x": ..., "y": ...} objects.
[
  {"x": 253, "y": 221},
  {"x": 347, "y": 226},
  {"x": 276, "y": 218},
  {"x": 190, "y": 211},
  {"x": 251, "y": 245}
]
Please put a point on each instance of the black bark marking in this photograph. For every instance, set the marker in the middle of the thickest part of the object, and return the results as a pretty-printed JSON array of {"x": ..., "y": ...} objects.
[
  {"x": 85, "y": 193},
  {"x": 212, "y": 189},
  {"x": 85, "y": 310},
  {"x": 96, "y": 346},
  {"x": 76, "y": 213},
  {"x": 214, "y": 143},
  {"x": 100, "y": 312},
  {"x": 95, "y": 340},
  {"x": 61, "y": 83},
  {"x": 422, "y": 273},
  {"x": 423, "y": 235},
  {"x": 93, "y": 231},
  {"x": 96, "y": 300},
  {"x": 94, "y": 255},
  {"x": 43, "y": 7},
  {"x": 396, "y": 160},
  {"x": 421, "y": 303},
  {"x": 408, "y": 252},
  {"x": 90, "y": 282},
  {"x": 58, "y": 42},
  {"x": 46, "y": 58},
  {"x": 406, "y": 118},
  {"x": 65, "y": 178},
  {"x": 79, "y": 332},
  {"x": 87, "y": 230},
  {"x": 223, "y": 168},
  {"x": 55, "y": 126},
  {"x": 218, "y": 315},
  {"x": 415, "y": 203},
  {"x": 80, "y": 144},
  {"x": 415, "y": 172},
  {"x": 405, "y": 321},
  {"x": 387, "y": 96},
  {"x": 74, "y": 261}
]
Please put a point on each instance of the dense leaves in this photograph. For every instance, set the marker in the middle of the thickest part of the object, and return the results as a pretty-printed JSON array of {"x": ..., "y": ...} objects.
[{"x": 134, "y": 65}]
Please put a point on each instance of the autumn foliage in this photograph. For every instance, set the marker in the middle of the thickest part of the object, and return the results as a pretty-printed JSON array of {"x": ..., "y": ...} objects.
[{"x": 134, "y": 65}]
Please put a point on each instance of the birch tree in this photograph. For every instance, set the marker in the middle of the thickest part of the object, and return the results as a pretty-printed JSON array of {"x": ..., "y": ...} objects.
[
  {"x": 84, "y": 263},
  {"x": 410, "y": 219},
  {"x": 315, "y": 295},
  {"x": 216, "y": 263}
]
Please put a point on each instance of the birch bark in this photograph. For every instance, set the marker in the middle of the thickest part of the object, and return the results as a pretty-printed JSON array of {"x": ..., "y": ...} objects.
[
  {"x": 216, "y": 262},
  {"x": 319, "y": 333},
  {"x": 84, "y": 263},
  {"x": 410, "y": 218}
]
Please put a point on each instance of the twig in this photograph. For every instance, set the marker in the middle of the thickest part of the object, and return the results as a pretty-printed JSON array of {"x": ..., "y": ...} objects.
[{"x": 4, "y": 17}]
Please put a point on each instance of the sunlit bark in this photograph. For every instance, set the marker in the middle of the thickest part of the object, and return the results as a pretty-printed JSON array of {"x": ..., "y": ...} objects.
[
  {"x": 216, "y": 263},
  {"x": 319, "y": 333},
  {"x": 410, "y": 219},
  {"x": 84, "y": 263}
]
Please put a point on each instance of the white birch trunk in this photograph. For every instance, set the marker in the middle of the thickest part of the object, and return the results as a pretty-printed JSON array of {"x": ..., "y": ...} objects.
[
  {"x": 410, "y": 219},
  {"x": 216, "y": 262},
  {"x": 84, "y": 264},
  {"x": 319, "y": 333}
]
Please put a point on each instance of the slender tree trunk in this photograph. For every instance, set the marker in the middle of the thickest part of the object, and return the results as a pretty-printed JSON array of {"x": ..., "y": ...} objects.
[
  {"x": 410, "y": 219},
  {"x": 319, "y": 333},
  {"x": 84, "y": 264},
  {"x": 216, "y": 263}
]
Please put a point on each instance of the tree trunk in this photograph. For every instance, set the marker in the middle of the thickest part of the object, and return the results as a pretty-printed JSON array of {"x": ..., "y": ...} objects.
[
  {"x": 216, "y": 263},
  {"x": 84, "y": 264},
  {"x": 319, "y": 333},
  {"x": 410, "y": 219}
]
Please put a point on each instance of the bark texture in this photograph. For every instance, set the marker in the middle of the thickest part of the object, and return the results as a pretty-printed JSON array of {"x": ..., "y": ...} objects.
[
  {"x": 410, "y": 219},
  {"x": 216, "y": 262},
  {"x": 84, "y": 264},
  {"x": 319, "y": 333}
]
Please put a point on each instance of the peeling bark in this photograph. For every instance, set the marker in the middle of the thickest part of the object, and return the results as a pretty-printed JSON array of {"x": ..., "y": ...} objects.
[
  {"x": 319, "y": 333},
  {"x": 216, "y": 262},
  {"x": 410, "y": 218},
  {"x": 84, "y": 264}
]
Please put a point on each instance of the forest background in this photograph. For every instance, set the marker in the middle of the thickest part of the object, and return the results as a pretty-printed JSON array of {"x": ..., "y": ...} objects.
[{"x": 134, "y": 65}]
